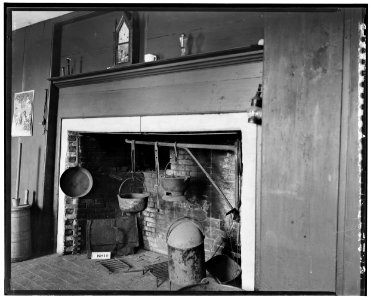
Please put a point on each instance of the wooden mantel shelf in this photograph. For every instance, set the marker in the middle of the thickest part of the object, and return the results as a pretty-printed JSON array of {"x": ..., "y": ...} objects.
[{"x": 190, "y": 62}]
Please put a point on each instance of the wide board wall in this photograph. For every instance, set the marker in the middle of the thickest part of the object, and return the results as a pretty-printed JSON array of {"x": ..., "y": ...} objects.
[{"x": 300, "y": 207}]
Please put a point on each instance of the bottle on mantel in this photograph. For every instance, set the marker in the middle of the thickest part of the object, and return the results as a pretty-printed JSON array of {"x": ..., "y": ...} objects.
[{"x": 255, "y": 109}]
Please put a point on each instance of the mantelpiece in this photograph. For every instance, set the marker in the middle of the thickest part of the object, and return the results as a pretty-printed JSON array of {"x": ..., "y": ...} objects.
[{"x": 190, "y": 62}]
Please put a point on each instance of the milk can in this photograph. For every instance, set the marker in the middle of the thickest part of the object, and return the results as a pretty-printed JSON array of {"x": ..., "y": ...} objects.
[{"x": 186, "y": 254}]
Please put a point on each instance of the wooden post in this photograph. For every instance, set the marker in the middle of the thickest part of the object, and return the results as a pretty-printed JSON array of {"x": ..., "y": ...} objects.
[{"x": 18, "y": 167}]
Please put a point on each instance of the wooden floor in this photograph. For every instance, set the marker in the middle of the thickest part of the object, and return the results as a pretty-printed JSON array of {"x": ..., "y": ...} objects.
[{"x": 54, "y": 274}]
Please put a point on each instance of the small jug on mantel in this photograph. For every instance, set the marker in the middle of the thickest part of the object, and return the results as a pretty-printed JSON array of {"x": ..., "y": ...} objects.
[{"x": 183, "y": 43}]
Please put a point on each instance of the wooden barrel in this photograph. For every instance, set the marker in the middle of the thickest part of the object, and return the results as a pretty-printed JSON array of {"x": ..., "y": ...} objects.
[{"x": 20, "y": 233}]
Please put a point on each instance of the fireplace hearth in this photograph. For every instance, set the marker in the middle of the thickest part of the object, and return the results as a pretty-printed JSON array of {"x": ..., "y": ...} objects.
[{"x": 105, "y": 152}]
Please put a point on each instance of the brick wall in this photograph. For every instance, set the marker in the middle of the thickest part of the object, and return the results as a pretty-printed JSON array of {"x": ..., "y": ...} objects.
[
  {"x": 104, "y": 157},
  {"x": 101, "y": 202},
  {"x": 72, "y": 242},
  {"x": 202, "y": 203}
]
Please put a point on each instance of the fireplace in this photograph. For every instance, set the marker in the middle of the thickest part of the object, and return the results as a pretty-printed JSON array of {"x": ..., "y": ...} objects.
[{"x": 104, "y": 149}]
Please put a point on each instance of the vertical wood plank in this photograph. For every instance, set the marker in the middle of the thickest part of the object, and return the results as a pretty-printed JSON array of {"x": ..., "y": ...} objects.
[
  {"x": 342, "y": 158},
  {"x": 53, "y": 125},
  {"x": 301, "y": 127},
  {"x": 348, "y": 256},
  {"x": 258, "y": 193}
]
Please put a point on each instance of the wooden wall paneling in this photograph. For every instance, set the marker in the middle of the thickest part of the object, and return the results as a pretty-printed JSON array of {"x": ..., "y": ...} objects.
[
  {"x": 91, "y": 40},
  {"x": 168, "y": 79},
  {"x": 8, "y": 163},
  {"x": 300, "y": 163},
  {"x": 351, "y": 254},
  {"x": 32, "y": 146},
  {"x": 37, "y": 69},
  {"x": 204, "y": 61},
  {"x": 51, "y": 154},
  {"x": 342, "y": 159},
  {"x": 137, "y": 38},
  {"x": 31, "y": 71},
  {"x": 17, "y": 48},
  {"x": 348, "y": 256},
  {"x": 258, "y": 197},
  {"x": 214, "y": 90},
  {"x": 352, "y": 284},
  {"x": 207, "y": 31},
  {"x": 143, "y": 33},
  {"x": 180, "y": 99},
  {"x": 55, "y": 164}
]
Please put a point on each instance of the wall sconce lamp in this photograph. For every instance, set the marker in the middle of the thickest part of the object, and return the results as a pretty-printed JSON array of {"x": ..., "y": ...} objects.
[{"x": 255, "y": 109}]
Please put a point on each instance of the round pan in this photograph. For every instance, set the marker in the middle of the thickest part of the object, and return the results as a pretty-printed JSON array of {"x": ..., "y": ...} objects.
[{"x": 76, "y": 182}]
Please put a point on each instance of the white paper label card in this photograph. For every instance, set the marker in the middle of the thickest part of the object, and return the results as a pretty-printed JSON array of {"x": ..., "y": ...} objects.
[{"x": 100, "y": 255}]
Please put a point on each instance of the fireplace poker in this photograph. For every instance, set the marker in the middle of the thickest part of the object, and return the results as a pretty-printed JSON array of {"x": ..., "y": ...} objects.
[
  {"x": 157, "y": 169},
  {"x": 232, "y": 209}
]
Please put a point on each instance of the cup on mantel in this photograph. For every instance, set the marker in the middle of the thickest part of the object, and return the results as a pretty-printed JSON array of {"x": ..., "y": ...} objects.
[{"x": 150, "y": 57}]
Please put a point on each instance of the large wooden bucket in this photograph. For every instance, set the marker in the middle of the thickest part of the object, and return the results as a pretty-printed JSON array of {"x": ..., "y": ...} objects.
[{"x": 20, "y": 233}]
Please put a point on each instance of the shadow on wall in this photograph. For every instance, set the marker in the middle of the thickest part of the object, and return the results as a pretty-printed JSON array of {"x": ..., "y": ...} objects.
[
  {"x": 41, "y": 230},
  {"x": 36, "y": 212},
  {"x": 36, "y": 229}
]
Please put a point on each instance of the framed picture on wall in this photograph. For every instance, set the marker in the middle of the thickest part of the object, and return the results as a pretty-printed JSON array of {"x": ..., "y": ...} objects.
[{"x": 23, "y": 113}]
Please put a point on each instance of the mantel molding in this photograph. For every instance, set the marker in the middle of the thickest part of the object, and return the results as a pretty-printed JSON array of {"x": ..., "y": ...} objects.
[{"x": 191, "y": 62}]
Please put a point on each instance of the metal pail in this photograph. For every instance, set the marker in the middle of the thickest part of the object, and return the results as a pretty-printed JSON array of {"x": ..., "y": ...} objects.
[{"x": 186, "y": 253}]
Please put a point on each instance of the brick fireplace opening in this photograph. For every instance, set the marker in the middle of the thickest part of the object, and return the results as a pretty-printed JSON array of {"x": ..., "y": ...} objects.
[
  {"x": 108, "y": 158},
  {"x": 102, "y": 149}
]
